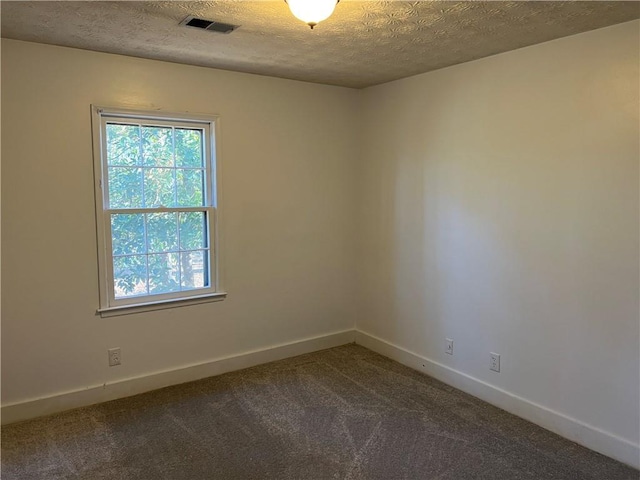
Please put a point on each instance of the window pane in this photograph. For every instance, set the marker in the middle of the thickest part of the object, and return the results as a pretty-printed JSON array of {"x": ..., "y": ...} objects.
[
  {"x": 190, "y": 188},
  {"x": 157, "y": 146},
  {"x": 194, "y": 269},
  {"x": 193, "y": 231},
  {"x": 163, "y": 273},
  {"x": 188, "y": 148},
  {"x": 125, "y": 187},
  {"x": 159, "y": 187},
  {"x": 127, "y": 234},
  {"x": 130, "y": 276},
  {"x": 162, "y": 232},
  {"x": 123, "y": 144}
]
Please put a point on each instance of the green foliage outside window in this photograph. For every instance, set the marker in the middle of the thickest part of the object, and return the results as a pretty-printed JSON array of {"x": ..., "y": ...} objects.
[{"x": 153, "y": 167}]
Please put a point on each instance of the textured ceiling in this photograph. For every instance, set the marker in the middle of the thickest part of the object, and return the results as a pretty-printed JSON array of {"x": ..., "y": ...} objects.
[{"x": 363, "y": 43}]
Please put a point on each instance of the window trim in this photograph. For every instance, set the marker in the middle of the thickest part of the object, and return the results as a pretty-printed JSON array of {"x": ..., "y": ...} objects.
[{"x": 108, "y": 305}]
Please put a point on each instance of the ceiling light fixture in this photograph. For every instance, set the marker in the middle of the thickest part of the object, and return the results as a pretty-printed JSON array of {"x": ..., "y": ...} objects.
[{"x": 312, "y": 12}]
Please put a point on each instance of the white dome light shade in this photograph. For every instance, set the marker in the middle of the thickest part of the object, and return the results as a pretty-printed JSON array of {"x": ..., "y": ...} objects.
[{"x": 312, "y": 12}]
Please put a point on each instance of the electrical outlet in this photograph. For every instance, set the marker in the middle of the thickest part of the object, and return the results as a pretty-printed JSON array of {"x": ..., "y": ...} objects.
[
  {"x": 494, "y": 362},
  {"x": 449, "y": 349},
  {"x": 114, "y": 356}
]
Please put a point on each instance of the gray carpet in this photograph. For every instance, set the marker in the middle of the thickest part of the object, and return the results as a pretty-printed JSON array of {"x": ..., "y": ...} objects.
[{"x": 344, "y": 413}]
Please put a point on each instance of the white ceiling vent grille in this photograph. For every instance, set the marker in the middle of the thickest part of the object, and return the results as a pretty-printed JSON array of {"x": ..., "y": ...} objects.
[{"x": 210, "y": 25}]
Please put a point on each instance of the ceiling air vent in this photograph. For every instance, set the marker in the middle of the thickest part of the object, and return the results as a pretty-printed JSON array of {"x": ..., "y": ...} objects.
[{"x": 210, "y": 25}]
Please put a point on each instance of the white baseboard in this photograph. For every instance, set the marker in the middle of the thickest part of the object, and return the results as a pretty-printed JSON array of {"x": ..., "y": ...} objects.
[
  {"x": 133, "y": 386},
  {"x": 587, "y": 435}
]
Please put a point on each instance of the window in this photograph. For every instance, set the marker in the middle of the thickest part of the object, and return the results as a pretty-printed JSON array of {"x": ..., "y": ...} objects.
[{"x": 156, "y": 209}]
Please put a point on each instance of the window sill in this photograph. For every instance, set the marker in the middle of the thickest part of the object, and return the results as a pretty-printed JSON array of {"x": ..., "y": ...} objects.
[{"x": 160, "y": 305}]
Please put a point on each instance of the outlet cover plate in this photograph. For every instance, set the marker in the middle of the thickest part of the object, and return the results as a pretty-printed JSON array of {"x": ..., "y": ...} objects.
[
  {"x": 114, "y": 356},
  {"x": 449, "y": 349},
  {"x": 494, "y": 362}
]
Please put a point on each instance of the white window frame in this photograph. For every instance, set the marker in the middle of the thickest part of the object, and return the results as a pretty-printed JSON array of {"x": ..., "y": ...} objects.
[{"x": 109, "y": 304}]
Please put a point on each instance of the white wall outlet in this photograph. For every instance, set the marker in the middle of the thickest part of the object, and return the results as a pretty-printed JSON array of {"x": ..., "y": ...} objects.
[
  {"x": 494, "y": 362},
  {"x": 114, "y": 356},
  {"x": 449, "y": 349}
]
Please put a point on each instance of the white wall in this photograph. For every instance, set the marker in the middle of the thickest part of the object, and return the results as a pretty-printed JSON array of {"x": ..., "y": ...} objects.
[
  {"x": 500, "y": 209},
  {"x": 288, "y": 168}
]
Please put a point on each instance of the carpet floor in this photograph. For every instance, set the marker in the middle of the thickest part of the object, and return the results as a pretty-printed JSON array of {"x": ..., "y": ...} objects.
[{"x": 343, "y": 413}]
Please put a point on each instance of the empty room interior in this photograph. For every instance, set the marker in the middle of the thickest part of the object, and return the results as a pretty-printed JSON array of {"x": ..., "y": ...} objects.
[{"x": 320, "y": 239}]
